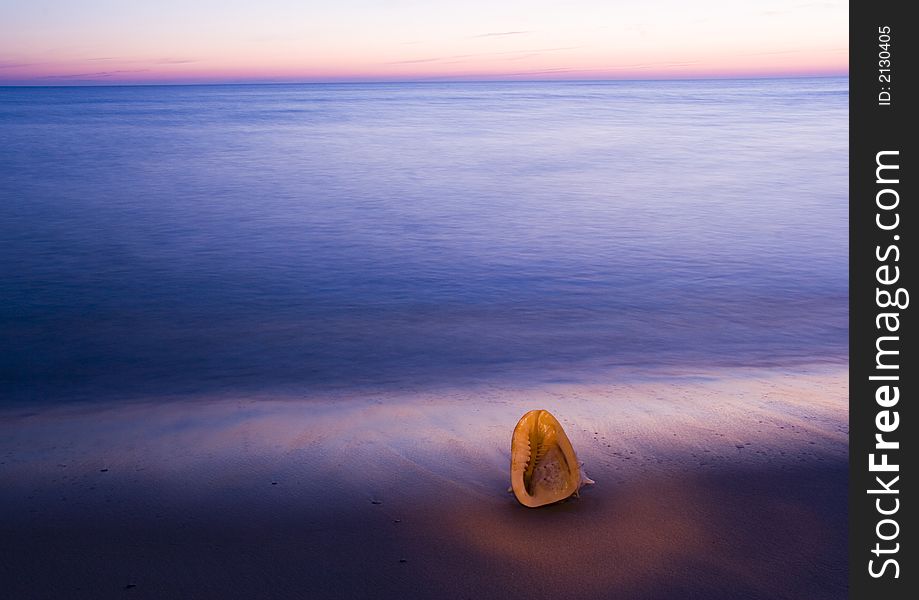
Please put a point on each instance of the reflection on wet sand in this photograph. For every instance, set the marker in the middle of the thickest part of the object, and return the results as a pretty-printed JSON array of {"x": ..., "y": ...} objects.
[{"x": 707, "y": 486}]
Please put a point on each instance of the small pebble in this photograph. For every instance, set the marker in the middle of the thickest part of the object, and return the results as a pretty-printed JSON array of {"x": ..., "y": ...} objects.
[{"x": 376, "y": 502}]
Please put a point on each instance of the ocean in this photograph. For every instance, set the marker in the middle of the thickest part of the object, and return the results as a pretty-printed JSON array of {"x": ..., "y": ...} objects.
[{"x": 161, "y": 240}]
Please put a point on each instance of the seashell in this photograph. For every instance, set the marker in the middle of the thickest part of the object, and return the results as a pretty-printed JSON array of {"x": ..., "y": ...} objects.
[{"x": 544, "y": 467}]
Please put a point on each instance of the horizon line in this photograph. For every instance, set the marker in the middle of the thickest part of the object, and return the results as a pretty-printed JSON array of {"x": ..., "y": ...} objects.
[{"x": 91, "y": 83}]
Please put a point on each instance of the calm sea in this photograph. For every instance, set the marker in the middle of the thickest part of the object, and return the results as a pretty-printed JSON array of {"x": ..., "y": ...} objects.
[{"x": 251, "y": 238}]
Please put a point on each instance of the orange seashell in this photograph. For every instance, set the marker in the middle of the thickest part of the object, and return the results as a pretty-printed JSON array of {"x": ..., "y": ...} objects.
[{"x": 544, "y": 467}]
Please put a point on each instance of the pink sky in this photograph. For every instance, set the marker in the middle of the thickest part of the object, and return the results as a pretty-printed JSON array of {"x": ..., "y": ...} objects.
[{"x": 106, "y": 41}]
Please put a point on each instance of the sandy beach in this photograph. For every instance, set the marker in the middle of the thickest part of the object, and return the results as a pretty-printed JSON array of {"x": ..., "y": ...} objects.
[{"x": 709, "y": 485}]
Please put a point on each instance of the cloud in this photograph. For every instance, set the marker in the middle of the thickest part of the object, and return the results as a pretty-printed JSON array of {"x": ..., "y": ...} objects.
[
  {"x": 96, "y": 75},
  {"x": 504, "y": 53},
  {"x": 418, "y": 60},
  {"x": 794, "y": 51},
  {"x": 500, "y": 34},
  {"x": 658, "y": 65},
  {"x": 155, "y": 61},
  {"x": 176, "y": 61}
]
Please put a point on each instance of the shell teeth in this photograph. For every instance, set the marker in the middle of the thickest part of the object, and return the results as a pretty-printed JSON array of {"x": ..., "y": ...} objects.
[{"x": 540, "y": 453}]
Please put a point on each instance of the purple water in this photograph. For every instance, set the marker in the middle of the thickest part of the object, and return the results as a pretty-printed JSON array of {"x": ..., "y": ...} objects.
[{"x": 238, "y": 238}]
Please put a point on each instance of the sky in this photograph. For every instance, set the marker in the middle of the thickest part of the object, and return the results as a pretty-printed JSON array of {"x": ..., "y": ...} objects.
[{"x": 55, "y": 42}]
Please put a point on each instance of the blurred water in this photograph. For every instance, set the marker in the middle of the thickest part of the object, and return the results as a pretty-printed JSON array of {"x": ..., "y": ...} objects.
[{"x": 162, "y": 239}]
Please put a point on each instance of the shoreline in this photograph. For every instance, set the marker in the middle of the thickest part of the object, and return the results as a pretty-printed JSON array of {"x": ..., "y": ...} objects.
[{"x": 712, "y": 484}]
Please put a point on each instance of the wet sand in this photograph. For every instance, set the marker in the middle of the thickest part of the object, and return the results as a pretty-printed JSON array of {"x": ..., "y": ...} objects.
[{"x": 709, "y": 485}]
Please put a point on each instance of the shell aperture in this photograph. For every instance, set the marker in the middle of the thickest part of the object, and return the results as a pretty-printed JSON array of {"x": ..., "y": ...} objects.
[{"x": 544, "y": 467}]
